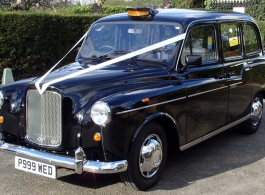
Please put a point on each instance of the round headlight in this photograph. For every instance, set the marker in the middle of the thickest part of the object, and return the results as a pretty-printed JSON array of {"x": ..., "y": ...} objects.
[
  {"x": 1, "y": 99},
  {"x": 100, "y": 113}
]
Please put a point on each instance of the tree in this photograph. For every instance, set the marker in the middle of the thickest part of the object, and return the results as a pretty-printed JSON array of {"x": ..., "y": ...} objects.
[
  {"x": 167, "y": 3},
  {"x": 190, "y": 3},
  {"x": 97, "y": 7},
  {"x": 27, "y": 4}
]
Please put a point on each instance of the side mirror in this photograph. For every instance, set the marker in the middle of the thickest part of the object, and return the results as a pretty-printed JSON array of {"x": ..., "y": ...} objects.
[{"x": 192, "y": 61}]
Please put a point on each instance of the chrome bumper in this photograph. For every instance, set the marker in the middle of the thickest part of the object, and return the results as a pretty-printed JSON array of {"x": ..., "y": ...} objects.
[{"x": 77, "y": 163}]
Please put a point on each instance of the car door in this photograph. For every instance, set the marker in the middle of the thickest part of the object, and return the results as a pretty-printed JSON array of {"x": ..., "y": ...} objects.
[
  {"x": 206, "y": 84},
  {"x": 254, "y": 56},
  {"x": 237, "y": 69}
]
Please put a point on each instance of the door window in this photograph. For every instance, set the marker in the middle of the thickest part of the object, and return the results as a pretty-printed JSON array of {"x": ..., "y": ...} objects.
[
  {"x": 231, "y": 41},
  {"x": 200, "y": 41},
  {"x": 251, "y": 40}
]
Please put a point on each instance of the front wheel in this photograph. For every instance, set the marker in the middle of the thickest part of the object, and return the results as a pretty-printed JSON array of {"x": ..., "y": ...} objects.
[
  {"x": 251, "y": 125},
  {"x": 147, "y": 158}
]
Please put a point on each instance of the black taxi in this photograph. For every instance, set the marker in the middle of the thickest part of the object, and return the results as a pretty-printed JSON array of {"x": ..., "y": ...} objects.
[{"x": 143, "y": 82}]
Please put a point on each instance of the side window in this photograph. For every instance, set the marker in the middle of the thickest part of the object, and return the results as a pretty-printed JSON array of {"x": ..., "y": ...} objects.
[
  {"x": 231, "y": 42},
  {"x": 200, "y": 41},
  {"x": 251, "y": 40}
]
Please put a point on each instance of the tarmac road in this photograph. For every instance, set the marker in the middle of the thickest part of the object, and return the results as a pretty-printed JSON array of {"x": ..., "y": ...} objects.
[{"x": 229, "y": 163}]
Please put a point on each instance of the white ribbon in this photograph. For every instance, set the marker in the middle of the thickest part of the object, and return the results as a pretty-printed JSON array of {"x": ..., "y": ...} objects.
[
  {"x": 37, "y": 84},
  {"x": 107, "y": 63}
]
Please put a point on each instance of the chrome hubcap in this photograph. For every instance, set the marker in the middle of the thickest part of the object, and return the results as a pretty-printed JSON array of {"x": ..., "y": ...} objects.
[
  {"x": 151, "y": 155},
  {"x": 256, "y": 111}
]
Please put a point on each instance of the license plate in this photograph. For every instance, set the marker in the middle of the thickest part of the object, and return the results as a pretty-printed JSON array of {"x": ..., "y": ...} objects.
[{"x": 35, "y": 167}]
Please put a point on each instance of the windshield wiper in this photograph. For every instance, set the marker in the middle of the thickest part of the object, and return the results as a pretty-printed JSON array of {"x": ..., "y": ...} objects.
[
  {"x": 134, "y": 59},
  {"x": 107, "y": 56},
  {"x": 97, "y": 59},
  {"x": 160, "y": 50},
  {"x": 117, "y": 52}
]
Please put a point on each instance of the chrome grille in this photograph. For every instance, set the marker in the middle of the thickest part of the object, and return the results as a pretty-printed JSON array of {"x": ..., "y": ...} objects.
[{"x": 44, "y": 118}]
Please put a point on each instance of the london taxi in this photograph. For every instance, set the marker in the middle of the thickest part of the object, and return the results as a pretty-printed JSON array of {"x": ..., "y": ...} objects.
[{"x": 142, "y": 82}]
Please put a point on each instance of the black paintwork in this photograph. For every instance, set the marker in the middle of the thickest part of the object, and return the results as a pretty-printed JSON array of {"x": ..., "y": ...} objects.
[{"x": 184, "y": 102}]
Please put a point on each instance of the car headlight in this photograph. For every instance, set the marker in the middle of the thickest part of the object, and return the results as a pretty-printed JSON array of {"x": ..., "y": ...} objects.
[
  {"x": 1, "y": 99},
  {"x": 100, "y": 113}
]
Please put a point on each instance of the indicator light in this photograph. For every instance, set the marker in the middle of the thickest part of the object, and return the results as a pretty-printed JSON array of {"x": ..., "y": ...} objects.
[
  {"x": 145, "y": 100},
  {"x": 97, "y": 137},
  {"x": 1, "y": 120}
]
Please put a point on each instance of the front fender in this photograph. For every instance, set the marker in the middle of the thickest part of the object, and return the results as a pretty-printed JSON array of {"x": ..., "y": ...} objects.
[{"x": 133, "y": 109}]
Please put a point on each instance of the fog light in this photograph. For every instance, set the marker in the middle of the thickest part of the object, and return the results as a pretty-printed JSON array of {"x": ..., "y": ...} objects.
[
  {"x": 1, "y": 120},
  {"x": 97, "y": 137}
]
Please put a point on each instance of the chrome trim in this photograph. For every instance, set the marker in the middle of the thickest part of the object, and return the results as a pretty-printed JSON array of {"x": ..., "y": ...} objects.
[
  {"x": 207, "y": 91},
  {"x": 157, "y": 104},
  {"x": 79, "y": 158},
  {"x": 256, "y": 112},
  {"x": 151, "y": 156},
  {"x": 1, "y": 99},
  {"x": 235, "y": 84},
  {"x": 44, "y": 118},
  {"x": 66, "y": 161},
  {"x": 201, "y": 139}
]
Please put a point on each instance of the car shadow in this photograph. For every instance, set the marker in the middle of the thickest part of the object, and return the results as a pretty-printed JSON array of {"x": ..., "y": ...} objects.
[
  {"x": 226, "y": 151},
  {"x": 90, "y": 180}
]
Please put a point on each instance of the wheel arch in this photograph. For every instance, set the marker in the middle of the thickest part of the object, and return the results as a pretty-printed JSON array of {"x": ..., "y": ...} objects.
[
  {"x": 169, "y": 125},
  {"x": 262, "y": 93}
]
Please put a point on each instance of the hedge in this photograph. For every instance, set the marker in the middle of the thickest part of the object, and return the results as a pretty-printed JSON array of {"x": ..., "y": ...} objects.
[
  {"x": 30, "y": 43},
  {"x": 88, "y": 8}
]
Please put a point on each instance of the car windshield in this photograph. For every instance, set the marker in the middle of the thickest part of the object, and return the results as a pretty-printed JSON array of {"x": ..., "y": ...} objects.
[{"x": 110, "y": 40}]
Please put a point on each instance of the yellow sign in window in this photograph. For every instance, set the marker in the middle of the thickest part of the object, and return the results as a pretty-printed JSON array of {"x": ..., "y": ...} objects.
[
  {"x": 233, "y": 41},
  {"x": 210, "y": 43}
]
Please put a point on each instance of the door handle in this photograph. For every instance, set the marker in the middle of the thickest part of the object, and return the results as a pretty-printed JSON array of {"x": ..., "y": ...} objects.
[
  {"x": 221, "y": 75},
  {"x": 224, "y": 75}
]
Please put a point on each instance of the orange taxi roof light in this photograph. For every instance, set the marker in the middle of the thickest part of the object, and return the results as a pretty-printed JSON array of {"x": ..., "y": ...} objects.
[
  {"x": 141, "y": 11},
  {"x": 138, "y": 12}
]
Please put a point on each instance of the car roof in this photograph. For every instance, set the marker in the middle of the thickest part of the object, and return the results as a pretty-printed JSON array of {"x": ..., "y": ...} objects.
[{"x": 183, "y": 16}]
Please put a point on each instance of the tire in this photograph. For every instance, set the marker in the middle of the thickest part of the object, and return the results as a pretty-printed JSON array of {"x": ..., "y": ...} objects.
[
  {"x": 147, "y": 158},
  {"x": 251, "y": 125}
]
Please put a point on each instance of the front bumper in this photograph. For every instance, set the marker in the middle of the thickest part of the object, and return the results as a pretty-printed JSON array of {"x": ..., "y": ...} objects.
[{"x": 77, "y": 163}]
